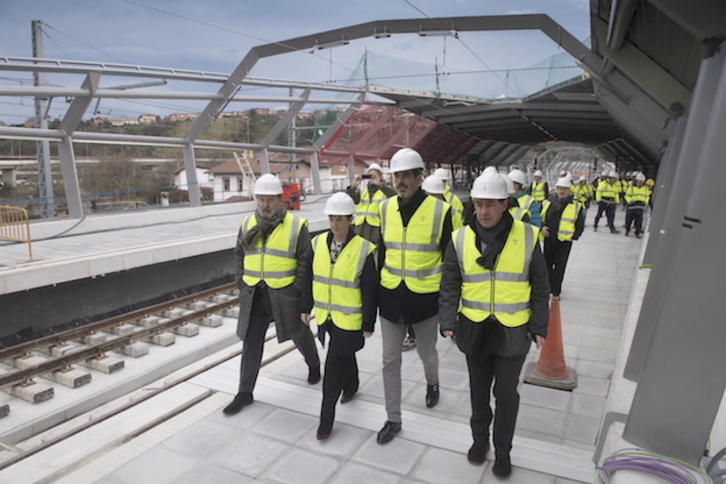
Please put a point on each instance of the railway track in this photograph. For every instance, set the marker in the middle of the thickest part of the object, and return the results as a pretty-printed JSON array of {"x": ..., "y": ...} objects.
[{"x": 31, "y": 372}]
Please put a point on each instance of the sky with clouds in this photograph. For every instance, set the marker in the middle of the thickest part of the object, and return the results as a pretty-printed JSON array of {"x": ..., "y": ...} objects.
[{"x": 214, "y": 36}]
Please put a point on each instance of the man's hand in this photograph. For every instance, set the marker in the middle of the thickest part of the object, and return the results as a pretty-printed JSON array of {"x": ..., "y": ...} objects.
[
  {"x": 357, "y": 181},
  {"x": 538, "y": 340},
  {"x": 305, "y": 318},
  {"x": 448, "y": 333},
  {"x": 367, "y": 334},
  {"x": 545, "y": 231}
]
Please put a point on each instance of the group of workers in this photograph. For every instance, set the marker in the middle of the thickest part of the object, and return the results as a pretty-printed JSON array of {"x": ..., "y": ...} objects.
[{"x": 404, "y": 254}]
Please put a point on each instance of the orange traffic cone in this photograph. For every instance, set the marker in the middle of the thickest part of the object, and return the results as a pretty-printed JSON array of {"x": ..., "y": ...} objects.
[{"x": 550, "y": 370}]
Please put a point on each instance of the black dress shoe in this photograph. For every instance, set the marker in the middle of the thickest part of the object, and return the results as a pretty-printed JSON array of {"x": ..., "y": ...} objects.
[
  {"x": 346, "y": 398},
  {"x": 502, "y": 466},
  {"x": 388, "y": 431},
  {"x": 240, "y": 401},
  {"x": 432, "y": 395},
  {"x": 321, "y": 436},
  {"x": 478, "y": 453},
  {"x": 313, "y": 374}
]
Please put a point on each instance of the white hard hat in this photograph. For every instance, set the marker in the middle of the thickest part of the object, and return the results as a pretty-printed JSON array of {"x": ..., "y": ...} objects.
[
  {"x": 640, "y": 177},
  {"x": 510, "y": 184},
  {"x": 406, "y": 159},
  {"x": 442, "y": 173},
  {"x": 563, "y": 174},
  {"x": 605, "y": 173},
  {"x": 375, "y": 166},
  {"x": 565, "y": 181},
  {"x": 490, "y": 185},
  {"x": 339, "y": 203},
  {"x": 518, "y": 176},
  {"x": 613, "y": 174},
  {"x": 538, "y": 173},
  {"x": 583, "y": 179},
  {"x": 433, "y": 184},
  {"x": 268, "y": 184}
]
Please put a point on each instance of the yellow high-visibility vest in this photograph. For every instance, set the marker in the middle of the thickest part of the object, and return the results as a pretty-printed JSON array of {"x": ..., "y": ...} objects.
[
  {"x": 607, "y": 190},
  {"x": 504, "y": 292},
  {"x": 412, "y": 253},
  {"x": 638, "y": 194},
  {"x": 336, "y": 286},
  {"x": 368, "y": 208},
  {"x": 274, "y": 260},
  {"x": 566, "y": 229},
  {"x": 537, "y": 191}
]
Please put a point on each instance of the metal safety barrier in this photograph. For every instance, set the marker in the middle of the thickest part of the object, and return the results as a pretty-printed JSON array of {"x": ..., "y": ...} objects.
[{"x": 15, "y": 226}]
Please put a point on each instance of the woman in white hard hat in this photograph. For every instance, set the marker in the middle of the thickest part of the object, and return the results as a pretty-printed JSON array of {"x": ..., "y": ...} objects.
[
  {"x": 367, "y": 218},
  {"x": 562, "y": 222},
  {"x": 341, "y": 289}
]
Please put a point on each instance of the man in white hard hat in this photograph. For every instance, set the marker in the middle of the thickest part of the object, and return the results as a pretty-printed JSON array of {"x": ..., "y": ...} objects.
[
  {"x": 434, "y": 186},
  {"x": 341, "y": 289},
  {"x": 367, "y": 219},
  {"x": 525, "y": 201},
  {"x": 562, "y": 222},
  {"x": 449, "y": 196},
  {"x": 415, "y": 230},
  {"x": 637, "y": 197},
  {"x": 273, "y": 256},
  {"x": 582, "y": 192},
  {"x": 539, "y": 188},
  {"x": 498, "y": 317},
  {"x": 607, "y": 196}
]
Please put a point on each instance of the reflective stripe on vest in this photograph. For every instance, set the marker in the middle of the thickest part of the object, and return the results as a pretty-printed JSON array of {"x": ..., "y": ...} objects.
[
  {"x": 638, "y": 194},
  {"x": 506, "y": 291},
  {"x": 538, "y": 192},
  {"x": 274, "y": 260},
  {"x": 518, "y": 213},
  {"x": 419, "y": 263},
  {"x": 368, "y": 208},
  {"x": 339, "y": 282},
  {"x": 566, "y": 229},
  {"x": 606, "y": 190}
]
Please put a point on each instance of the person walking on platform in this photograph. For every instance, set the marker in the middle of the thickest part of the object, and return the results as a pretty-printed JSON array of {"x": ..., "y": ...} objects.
[
  {"x": 457, "y": 207},
  {"x": 524, "y": 201},
  {"x": 583, "y": 193},
  {"x": 607, "y": 196},
  {"x": 637, "y": 197},
  {"x": 272, "y": 257},
  {"x": 495, "y": 273},
  {"x": 562, "y": 222},
  {"x": 539, "y": 188},
  {"x": 367, "y": 218},
  {"x": 341, "y": 288},
  {"x": 415, "y": 230}
]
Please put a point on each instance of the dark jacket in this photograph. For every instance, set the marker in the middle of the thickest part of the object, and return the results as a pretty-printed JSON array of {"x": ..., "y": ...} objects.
[
  {"x": 507, "y": 341},
  {"x": 285, "y": 302},
  {"x": 402, "y": 302},
  {"x": 554, "y": 213}
]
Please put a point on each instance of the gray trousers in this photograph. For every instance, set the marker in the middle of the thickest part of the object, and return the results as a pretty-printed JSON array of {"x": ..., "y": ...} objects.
[{"x": 393, "y": 335}]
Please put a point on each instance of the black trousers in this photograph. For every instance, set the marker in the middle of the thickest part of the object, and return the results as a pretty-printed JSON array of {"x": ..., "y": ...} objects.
[
  {"x": 254, "y": 342},
  {"x": 341, "y": 376},
  {"x": 556, "y": 254},
  {"x": 634, "y": 216},
  {"x": 504, "y": 371}
]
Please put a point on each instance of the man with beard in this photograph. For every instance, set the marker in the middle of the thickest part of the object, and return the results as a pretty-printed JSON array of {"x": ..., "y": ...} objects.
[
  {"x": 273, "y": 255},
  {"x": 415, "y": 230}
]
